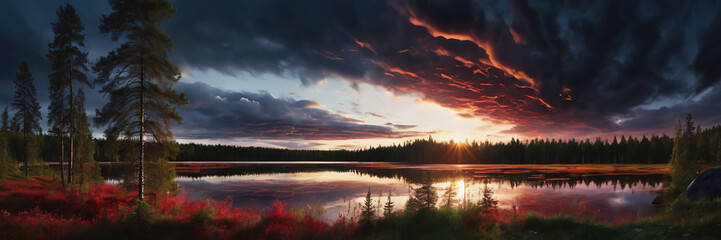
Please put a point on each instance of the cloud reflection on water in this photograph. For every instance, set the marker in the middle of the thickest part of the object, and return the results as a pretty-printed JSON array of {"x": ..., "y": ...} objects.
[{"x": 334, "y": 190}]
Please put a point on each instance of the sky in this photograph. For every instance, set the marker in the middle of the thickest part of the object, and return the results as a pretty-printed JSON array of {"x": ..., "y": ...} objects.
[{"x": 351, "y": 74}]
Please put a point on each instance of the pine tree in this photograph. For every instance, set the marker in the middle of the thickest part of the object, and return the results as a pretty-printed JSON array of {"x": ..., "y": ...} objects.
[
  {"x": 138, "y": 76},
  {"x": 388, "y": 207},
  {"x": 487, "y": 204},
  {"x": 424, "y": 198},
  {"x": 69, "y": 64},
  {"x": 28, "y": 109},
  {"x": 368, "y": 212}
]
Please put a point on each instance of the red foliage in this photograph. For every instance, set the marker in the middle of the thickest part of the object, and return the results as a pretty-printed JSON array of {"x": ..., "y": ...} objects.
[
  {"x": 39, "y": 208},
  {"x": 18, "y": 196}
]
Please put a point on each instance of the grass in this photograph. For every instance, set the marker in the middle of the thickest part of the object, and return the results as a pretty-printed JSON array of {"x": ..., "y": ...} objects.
[{"x": 38, "y": 209}]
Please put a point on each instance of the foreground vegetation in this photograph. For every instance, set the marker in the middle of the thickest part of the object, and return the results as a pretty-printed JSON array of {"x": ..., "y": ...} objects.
[
  {"x": 39, "y": 209},
  {"x": 42, "y": 208}
]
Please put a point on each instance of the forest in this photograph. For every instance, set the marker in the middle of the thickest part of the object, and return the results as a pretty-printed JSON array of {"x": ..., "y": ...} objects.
[
  {"x": 71, "y": 199},
  {"x": 626, "y": 150}
]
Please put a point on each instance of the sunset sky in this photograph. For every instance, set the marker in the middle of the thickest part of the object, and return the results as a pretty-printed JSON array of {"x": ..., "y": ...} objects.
[{"x": 351, "y": 74}]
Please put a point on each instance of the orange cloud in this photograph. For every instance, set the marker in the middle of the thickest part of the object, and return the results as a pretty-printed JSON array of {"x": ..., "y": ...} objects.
[
  {"x": 366, "y": 46},
  {"x": 401, "y": 71},
  {"x": 468, "y": 37}
]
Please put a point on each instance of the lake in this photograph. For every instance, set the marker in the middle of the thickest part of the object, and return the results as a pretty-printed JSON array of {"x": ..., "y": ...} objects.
[{"x": 619, "y": 192}]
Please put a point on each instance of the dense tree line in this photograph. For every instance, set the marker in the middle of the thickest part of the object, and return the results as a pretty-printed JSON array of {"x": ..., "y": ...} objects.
[
  {"x": 624, "y": 150},
  {"x": 654, "y": 150}
]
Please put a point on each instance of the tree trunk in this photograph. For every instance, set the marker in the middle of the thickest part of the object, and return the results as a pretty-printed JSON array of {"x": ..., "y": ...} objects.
[
  {"x": 142, "y": 132},
  {"x": 82, "y": 174},
  {"x": 72, "y": 121},
  {"x": 25, "y": 137},
  {"x": 62, "y": 152}
]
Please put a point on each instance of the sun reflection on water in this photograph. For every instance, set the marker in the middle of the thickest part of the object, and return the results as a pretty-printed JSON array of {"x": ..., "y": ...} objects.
[{"x": 336, "y": 190}]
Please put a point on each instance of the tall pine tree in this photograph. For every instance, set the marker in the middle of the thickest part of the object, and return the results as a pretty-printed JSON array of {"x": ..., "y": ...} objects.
[
  {"x": 138, "y": 76},
  {"x": 69, "y": 64},
  {"x": 26, "y": 103}
]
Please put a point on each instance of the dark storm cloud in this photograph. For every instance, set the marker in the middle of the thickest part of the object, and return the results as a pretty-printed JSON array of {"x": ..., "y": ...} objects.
[
  {"x": 26, "y": 31},
  {"x": 565, "y": 67},
  {"x": 703, "y": 110},
  {"x": 708, "y": 61},
  {"x": 561, "y": 67},
  {"x": 588, "y": 67},
  {"x": 309, "y": 40},
  {"x": 217, "y": 114},
  {"x": 22, "y": 43}
]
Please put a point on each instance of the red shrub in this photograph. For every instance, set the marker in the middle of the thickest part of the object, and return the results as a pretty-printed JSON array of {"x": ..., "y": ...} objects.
[{"x": 39, "y": 208}]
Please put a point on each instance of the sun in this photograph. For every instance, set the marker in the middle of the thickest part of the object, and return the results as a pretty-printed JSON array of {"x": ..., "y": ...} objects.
[{"x": 458, "y": 137}]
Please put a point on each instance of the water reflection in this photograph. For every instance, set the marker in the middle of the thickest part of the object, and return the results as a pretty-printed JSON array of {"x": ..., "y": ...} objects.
[{"x": 610, "y": 193}]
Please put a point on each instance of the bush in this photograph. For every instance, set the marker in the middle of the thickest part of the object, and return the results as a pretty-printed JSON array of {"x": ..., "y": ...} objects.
[
  {"x": 203, "y": 217},
  {"x": 8, "y": 166},
  {"x": 143, "y": 215},
  {"x": 564, "y": 227}
]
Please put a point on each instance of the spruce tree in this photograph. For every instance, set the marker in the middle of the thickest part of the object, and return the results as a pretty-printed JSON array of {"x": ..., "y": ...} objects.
[
  {"x": 388, "y": 207},
  {"x": 138, "y": 77},
  {"x": 28, "y": 109},
  {"x": 69, "y": 64},
  {"x": 487, "y": 204},
  {"x": 368, "y": 212},
  {"x": 424, "y": 198}
]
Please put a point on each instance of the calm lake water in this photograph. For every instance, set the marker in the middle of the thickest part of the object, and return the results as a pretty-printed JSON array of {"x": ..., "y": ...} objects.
[{"x": 608, "y": 192}]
